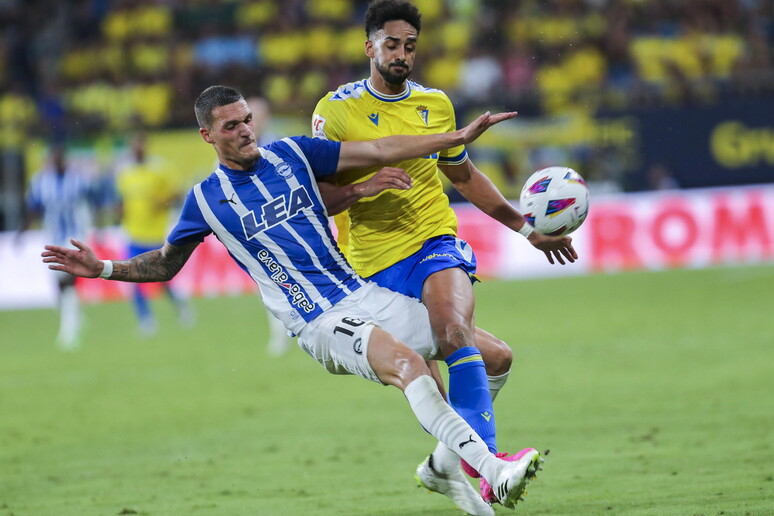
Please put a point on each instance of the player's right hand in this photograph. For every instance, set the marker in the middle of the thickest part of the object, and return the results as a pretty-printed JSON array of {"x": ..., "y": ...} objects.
[
  {"x": 386, "y": 178},
  {"x": 78, "y": 262},
  {"x": 555, "y": 248}
]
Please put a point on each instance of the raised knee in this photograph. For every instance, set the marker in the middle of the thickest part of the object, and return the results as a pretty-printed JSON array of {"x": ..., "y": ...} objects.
[
  {"x": 409, "y": 366},
  {"x": 454, "y": 336},
  {"x": 498, "y": 359},
  {"x": 402, "y": 367}
]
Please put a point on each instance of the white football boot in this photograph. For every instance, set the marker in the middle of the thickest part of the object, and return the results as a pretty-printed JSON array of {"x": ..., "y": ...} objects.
[
  {"x": 512, "y": 480},
  {"x": 454, "y": 485}
]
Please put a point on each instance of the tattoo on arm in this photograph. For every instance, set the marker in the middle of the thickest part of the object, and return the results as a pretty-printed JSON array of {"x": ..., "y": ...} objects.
[{"x": 158, "y": 265}]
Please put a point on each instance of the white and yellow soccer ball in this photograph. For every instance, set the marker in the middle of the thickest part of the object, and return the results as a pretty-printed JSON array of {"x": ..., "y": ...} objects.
[{"x": 555, "y": 201}]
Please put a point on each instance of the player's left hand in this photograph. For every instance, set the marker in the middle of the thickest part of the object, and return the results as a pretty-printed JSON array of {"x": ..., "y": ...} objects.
[
  {"x": 556, "y": 249},
  {"x": 477, "y": 127},
  {"x": 385, "y": 178}
]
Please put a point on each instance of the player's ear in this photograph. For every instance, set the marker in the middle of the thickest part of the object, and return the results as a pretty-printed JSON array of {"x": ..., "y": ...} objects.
[
  {"x": 206, "y": 136},
  {"x": 369, "y": 48}
]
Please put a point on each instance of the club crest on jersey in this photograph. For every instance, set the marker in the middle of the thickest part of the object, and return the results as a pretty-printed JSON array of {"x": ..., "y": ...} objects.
[
  {"x": 283, "y": 170},
  {"x": 423, "y": 113},
  {"x": 374, "y": 117},
  {"x": 276, "y": 211}
]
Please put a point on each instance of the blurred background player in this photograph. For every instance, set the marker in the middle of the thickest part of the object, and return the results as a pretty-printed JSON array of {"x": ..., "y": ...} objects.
[
  {"x": 147, "y": 196},
  {"x": 406, "y": 240},
  {"x": 62, "y": 198},
  {"x": 279, "y": 341}
]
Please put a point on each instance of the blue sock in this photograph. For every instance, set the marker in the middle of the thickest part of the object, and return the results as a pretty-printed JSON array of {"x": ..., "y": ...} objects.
[
  {"x": 469, "y": 393},
  {"x": 141, "y": 303}
]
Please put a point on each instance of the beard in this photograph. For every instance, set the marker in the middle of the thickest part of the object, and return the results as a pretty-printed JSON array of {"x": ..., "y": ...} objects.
[
  {"x": 396, "y": 79},
  {"x": 246, "y": 157}
]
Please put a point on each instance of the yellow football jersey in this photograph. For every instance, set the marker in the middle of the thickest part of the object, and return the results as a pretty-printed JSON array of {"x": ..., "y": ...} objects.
[
  {"x": 382, "y": 230},
  {"x": 147, "y": 195}
]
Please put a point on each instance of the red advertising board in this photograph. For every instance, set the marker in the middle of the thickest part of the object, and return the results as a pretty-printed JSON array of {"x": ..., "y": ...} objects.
[{"x": 651, "y": 230}]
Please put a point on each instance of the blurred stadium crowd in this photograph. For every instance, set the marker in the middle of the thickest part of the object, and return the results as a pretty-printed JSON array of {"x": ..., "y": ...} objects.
[
  {"x": 76, "y": 69},
  {"x": 92, "y": 65}
]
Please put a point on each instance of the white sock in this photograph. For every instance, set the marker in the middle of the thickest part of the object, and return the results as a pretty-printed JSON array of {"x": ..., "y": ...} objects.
[
  {"x": 438, "y": 418},
  {"x": 445, "y": 459},
  {"x": 496, "y": 383},
  {"x": 69, "y": 316}
]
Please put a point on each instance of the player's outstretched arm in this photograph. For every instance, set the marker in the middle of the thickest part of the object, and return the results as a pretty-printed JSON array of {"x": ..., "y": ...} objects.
[
  {"x": 477, "y": 188},
  {"x": 339, "y": 198},
  {"x": 158, "y": 265},
  {"x": 391, "y": 149}
]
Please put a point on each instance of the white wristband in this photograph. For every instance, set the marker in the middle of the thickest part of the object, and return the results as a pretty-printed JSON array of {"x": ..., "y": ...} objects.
[
  {"x": 107, "y": 269},
  {"x": 526, "y": 230}
]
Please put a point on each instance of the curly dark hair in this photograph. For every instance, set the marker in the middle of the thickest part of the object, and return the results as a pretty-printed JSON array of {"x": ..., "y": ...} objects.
[
  {"x": 382, "y": 11},
  {"x": 212, "y": 97}
]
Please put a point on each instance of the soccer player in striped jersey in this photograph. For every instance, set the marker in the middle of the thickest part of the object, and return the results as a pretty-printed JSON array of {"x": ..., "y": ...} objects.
[
  {"x": 263, "y": 204},
  {"x": 406, "y": 240},
  {"x": 63, "y": 198}
]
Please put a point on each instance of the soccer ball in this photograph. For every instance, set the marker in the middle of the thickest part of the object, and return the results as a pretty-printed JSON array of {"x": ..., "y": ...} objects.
[{"x": 555, "y": 201}]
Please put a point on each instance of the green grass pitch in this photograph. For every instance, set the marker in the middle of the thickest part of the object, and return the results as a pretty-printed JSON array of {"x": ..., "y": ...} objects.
[{"x": 654, "y": 392}]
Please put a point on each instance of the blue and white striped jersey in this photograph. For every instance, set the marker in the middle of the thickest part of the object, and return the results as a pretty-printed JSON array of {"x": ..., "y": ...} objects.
[
  {"x": 274, "y": 224},
  {"x": 65, "y": 202}
]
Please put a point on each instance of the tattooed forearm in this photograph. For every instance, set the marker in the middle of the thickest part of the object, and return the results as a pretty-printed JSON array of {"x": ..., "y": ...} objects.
[{"x": 158, "y": 265}]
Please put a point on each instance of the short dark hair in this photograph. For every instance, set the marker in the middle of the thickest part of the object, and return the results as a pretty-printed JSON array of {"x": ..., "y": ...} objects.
[
  {"x": 212, "y": 97},
  {"x": 382, "y": 11}
]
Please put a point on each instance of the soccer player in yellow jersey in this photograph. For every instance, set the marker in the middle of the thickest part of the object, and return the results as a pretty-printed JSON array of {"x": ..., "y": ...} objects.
[
  {"x": 406, "y": 240},
  {"x": 147, "y": 195}
]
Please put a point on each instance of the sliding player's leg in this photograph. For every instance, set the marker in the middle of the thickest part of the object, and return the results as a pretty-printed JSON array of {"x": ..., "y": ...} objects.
[
  {"x": 346, "y": 340},
  {"x": 396, "y": 364},
  {"x": 440, "y": 274},
  {"x": 498, "y": 358}
]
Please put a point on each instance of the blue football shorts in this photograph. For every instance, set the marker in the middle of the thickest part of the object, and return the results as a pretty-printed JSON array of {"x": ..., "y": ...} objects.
[{"x": 438, "y": 253}]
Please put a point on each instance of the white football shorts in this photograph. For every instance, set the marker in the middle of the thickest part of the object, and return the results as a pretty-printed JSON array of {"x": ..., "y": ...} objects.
[{"x": 338, "y": 339}]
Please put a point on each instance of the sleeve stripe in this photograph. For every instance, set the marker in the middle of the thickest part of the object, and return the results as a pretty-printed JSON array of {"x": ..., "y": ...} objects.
[{"x": 454, "y": 160}]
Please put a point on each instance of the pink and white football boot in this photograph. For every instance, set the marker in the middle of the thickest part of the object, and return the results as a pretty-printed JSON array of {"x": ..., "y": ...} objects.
[{"x": 510, "y": 495}]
